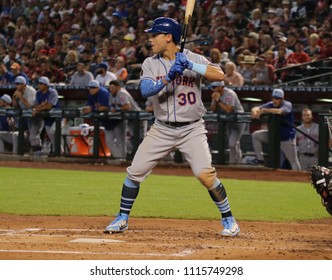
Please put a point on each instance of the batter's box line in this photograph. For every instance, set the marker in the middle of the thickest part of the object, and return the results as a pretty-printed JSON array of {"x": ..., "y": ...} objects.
[
  {"x": 29, "y": 230},
  {"x": 183, "y": 253}
]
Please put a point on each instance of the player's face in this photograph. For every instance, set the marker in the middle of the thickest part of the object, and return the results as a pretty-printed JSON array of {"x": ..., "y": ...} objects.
[
  {"x": 159, "y": 41},
  {"x": 277, "y": 102},
  {"x": 306, "y": 117},
  {"x": 93, "y": 90}
]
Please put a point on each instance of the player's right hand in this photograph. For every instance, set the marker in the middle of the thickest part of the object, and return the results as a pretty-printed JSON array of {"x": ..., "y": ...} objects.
[
  {"x": 182, "y": 59},
  {"x": 175, "y": 71}
]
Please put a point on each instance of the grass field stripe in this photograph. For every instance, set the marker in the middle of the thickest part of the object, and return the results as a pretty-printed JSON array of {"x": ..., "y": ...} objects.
[{"x": 180, "y": 254}]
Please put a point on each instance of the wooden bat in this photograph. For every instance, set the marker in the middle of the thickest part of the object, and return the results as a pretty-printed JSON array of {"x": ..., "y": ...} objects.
[{"x": 187, "y": 20}]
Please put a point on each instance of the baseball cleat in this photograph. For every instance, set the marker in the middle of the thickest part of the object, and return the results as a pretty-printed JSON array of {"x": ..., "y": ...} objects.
[
  {"x": 231, "y": 227},
  {"x": 119, "y": 224}
]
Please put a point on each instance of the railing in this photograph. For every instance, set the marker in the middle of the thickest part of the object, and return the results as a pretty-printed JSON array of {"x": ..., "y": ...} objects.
[{"x": 272, "y": 120}]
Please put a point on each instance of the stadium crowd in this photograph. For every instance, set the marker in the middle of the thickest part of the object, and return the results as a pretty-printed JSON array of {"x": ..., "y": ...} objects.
[{"x": 73, "y": 41}]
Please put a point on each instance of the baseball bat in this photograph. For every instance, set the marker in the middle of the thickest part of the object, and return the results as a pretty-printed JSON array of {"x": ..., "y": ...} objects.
[{"x": 187, "y": 19}]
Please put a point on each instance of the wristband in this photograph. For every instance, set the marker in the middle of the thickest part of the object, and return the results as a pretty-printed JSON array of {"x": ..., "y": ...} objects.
[{"x": 199, "y": 68}]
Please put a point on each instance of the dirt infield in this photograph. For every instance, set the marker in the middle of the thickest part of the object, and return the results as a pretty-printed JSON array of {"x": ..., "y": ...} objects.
[{"x": 32, "y": 237}]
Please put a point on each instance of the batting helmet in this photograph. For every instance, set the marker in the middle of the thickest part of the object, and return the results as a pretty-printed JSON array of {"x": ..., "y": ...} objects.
[{"x": 166, "y": 25}]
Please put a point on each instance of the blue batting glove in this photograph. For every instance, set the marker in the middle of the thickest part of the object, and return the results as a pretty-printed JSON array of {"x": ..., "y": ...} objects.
[
  {"x": 175, "y": 71},
  {"x": 184, "y": 61}
]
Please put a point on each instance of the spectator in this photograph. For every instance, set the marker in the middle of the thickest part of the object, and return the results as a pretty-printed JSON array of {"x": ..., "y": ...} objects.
[
  {"x": 307, "y": 148},
  {"x": 46, "y": 99},
  {"x": 263, "y": 73},
  {"x": 313, "y": 49},
  {"x": 215, "y": 57},
  {"x": 326, "y": 48},
  {"x": 128, "y": 51},
  {"x": 232, "y": 75},
  {"x": 278, "y": 105},
  {"x": 246, "y": 69},
  {"x": 70, "y": 63},
  {"x": 5, "y": 76},
  {"x": 299, "y": 56},
  {"x": 104, "y": 77},
  {"x": 120, "y": 70},
  {"x": 222, "y": 41},
  {"x": 122, "y": 101},
  {"x": 226, "y": 100},
  {"x": 16, "y": 70},
  {"x": 81, "y": 77}
]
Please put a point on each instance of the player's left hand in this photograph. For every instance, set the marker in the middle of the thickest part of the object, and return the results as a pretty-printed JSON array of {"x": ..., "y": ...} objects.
[{"x": 182, "y": 59}]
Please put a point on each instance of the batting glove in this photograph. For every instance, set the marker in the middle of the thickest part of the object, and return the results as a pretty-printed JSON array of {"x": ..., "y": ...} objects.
[
  {"x": 184, "y": 61},
  {"x": 175, "y": 71}
]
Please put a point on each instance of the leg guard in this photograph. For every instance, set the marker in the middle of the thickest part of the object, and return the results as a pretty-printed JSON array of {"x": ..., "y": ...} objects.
[{"x": 128, "y": 197}]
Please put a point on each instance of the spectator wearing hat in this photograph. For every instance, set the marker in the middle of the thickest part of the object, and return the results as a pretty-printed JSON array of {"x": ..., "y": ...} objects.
[
  {"x": 282, "y": 43},
  {"x": 280, "y": 106},
  {"x": 16, "y": 70},
  {"x": 253, "y": 45},
  {"x": 116, "y": 23},
  {"x": 8, "y": 129},
  {"x": 272, "y": 17},
  {"x": 246, "y": 69},
  {"x": 263, "y": 73},
  {"x": 5, "y": 76},
  {"x": 128, "y": 51},
  {"x": 104, "y": 76},
  {"x": 81, "y": 77},
  {"x": 46, "y": 99},
  {"x": 225, "y": 100}
]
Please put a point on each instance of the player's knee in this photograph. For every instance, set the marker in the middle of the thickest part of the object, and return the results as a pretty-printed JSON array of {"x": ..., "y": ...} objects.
[{"x": 207, "y": 177}]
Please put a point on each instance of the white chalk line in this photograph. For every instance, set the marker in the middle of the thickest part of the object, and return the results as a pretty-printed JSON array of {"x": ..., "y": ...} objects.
[{"x": 179, "y": 254}]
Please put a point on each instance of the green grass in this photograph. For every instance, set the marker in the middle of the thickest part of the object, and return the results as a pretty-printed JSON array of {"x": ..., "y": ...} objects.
[{"x": 65, "y": 192}]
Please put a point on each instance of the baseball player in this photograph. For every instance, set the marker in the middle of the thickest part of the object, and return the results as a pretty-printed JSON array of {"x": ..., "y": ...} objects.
[
  {"x": 121, "y": 101},
  {"x": 287, "y": 133},
  {"x": 98, "y": 101},
  {"x": 308, "y": 149},
  {"x": 46, "y": 99},
  {"x": 226, "y": 100},
  {"x": 174, "y": 80}
]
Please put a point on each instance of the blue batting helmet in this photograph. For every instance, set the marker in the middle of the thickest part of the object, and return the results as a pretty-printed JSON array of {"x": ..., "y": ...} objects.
[{"x": 166, "y": 25}]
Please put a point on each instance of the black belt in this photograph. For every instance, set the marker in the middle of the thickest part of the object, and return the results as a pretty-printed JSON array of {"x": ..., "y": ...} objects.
[
  {"x": 177, "y": 124},
  {"x": 308, "y": 154}
]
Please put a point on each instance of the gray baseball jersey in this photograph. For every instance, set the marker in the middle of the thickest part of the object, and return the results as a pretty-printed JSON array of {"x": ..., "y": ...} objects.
[
  {"x": 304, "y": 144},
  {"x": 186, "y": 104},
  {"x": 230, "y": 98},
  {"x": 122, "y": 98}
]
